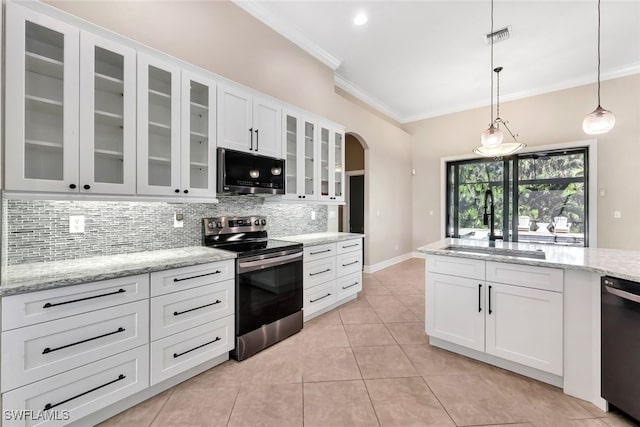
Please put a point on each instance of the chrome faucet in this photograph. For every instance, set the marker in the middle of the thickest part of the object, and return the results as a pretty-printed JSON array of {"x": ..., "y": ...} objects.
[{"x": 485, "y": 218}]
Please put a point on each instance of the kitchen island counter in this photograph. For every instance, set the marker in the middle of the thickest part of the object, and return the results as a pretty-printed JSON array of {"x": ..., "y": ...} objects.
[
  {"x": 314, "y": 239},
  {"x": 39, "y": 276}
]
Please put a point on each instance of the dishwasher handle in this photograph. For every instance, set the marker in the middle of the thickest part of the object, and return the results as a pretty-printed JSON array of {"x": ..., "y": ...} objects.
[{"x": 623, "y": 294}]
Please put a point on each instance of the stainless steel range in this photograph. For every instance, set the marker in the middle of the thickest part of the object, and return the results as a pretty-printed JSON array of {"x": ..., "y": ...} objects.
[{"x": 268, "y": 281}]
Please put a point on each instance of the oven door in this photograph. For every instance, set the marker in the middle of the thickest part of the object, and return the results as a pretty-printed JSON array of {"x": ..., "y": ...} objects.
[{"x": 269, "y": 288}]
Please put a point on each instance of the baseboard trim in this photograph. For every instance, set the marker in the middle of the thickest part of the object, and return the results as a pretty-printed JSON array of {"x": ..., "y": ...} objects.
[{"x": 388, "y": 263}]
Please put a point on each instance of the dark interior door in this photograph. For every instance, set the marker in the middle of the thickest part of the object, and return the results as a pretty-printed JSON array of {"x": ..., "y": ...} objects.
[{"x": 356, "y": 204}]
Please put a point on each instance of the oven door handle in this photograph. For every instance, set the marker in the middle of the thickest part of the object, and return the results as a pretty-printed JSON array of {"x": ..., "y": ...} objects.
[
  {"x": 244, "y": 267},
  {"x": 623, "y": 294}
]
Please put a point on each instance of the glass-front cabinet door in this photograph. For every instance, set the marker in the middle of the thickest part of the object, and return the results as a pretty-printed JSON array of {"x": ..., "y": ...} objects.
[
  {"x": 198, "y": 135},
  {"x": 107, "y": 116},
  {"x": 42, "y": 69},
  {"x": 331, "y": 180},
  {"x": 299, "y": 150},
  {"x": 158, "y": 127}
]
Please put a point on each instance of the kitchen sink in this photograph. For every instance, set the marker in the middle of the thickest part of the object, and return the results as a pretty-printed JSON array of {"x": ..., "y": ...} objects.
[{"x": 519, "y": 253}]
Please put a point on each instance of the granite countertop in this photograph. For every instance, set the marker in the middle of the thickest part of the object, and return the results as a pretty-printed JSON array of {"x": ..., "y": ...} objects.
[
  {"x": 38, "y": 276},
  {"x": 615, "y": 262},
  {"x": 313, "y": 239}
]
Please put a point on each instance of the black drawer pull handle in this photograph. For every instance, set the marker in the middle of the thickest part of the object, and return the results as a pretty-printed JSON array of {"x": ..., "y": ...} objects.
[
  {"x": 318, "y": 299},
  {"x": 319, "y": 252},
  {"x": 490, "y": 311},
  {"x": 176, "y": 355},
  {"x": 351, "y": 263},
  {"x": 49, "y": 305},
  {"x": 350, "y": 286},
  {"x": 178, "y": 313},
  {"x": 351, "y": 246},
  {"x": 51, "y": 350},
  {"x": 53, "y": 405},
  {"x": 195, "y": 277},
  {"x": 479, "y": 297},
  {"x": 320, "y": 272}
]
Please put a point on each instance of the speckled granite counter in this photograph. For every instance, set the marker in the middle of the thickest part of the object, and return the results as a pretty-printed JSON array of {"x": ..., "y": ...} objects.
[
  {"x": 46, "y": 275},
  {"x": 320, "y": 238},
  {"x": 615, "y": 262}
]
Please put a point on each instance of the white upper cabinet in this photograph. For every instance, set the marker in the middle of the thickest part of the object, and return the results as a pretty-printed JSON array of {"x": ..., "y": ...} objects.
[
  {"x": 42, "y": 102},
  {"x": 299, "y": 149},
  {"x": 331, "y": 165},
  {"x": 158, "y": 126},
  {"x": 249, "y": 123},
  {"x": 198, "y": 135},
  {"x": 107, "y": 116}
]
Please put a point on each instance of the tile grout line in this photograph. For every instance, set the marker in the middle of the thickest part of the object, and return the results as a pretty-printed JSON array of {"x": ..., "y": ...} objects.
[{"x": 173, "y": 389}]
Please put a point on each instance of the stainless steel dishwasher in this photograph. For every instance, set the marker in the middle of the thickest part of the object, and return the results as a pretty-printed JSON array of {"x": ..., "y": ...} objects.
[{"x": 620, "y": 305}]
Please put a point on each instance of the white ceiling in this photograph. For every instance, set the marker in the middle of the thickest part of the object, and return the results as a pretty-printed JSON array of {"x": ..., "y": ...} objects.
[{"x": 419, "y": 59}]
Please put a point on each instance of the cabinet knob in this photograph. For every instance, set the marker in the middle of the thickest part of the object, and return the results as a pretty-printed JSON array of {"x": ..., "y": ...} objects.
[
  {"x": 177, "y": 190},
  {"x": 304, "y": 197},
  {"x": 72, "y": 186},
  {"x": 186, "y": 191},
  {"x": 86, "y": 186},
  {"x": 299, "y": 197}
]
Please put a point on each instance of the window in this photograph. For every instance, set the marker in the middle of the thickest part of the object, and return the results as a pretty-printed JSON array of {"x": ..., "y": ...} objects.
[{"x": 538, "y": 197}]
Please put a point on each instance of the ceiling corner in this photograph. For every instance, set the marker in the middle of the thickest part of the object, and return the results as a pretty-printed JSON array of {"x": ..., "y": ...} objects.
[{"x": 367, "y": 98}]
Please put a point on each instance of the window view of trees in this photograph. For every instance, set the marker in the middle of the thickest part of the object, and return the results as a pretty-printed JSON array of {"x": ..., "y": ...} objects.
[{"x": 549, "y": 203}]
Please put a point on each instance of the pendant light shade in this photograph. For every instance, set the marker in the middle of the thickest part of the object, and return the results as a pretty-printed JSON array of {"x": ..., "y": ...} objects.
[
  {"x": 600, "y": 120},
  {"x": 492, "y": 137}
]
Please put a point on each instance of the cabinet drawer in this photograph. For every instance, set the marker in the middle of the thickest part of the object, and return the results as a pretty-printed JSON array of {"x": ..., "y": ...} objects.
[
  {"x": 550, "y": 279},
  {"x": 83, "y": 390},
  {"x": 35, "y": 352},
  {"x": 461, "y": 267},
  {"x": 349, "y": 246},
  {"x": 319, "y": 297},
  {"x": 182, "y": 351},
  {"x": 319, "y": 251},
  {"x": 182, "y": 310},
  {"x": 348, "y": 263},
  {"x": 349, "y": 285},
  {"x": 320, "y": 271},
  {"x": 178, "y": 279},
  {"x": 35, "y": 307}
]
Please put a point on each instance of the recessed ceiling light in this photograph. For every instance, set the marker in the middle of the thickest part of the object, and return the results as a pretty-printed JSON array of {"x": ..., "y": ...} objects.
[{"x": 360, "y": 19}]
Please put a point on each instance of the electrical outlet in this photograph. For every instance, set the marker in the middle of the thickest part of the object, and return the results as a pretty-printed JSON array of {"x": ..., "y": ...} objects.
[
  {"x": 178, "y": 220},
  {"x": 617, "y": 214},
  {"x": 313, "y": 215},
  {"x": 431, "y": 213},
  {"x": 76, "y": 223},
  {"x": 603, "y": 192},
  {"x": 396, "y": 248}
]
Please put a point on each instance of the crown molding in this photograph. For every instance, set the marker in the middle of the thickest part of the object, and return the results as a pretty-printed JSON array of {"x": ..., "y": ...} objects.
[
  {"x": 365, "y": 97},
  {"x": 254, "y": 8}
]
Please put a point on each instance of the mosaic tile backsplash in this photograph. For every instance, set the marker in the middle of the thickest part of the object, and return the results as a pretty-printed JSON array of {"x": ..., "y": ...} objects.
[{"x": 36, "y": 230}]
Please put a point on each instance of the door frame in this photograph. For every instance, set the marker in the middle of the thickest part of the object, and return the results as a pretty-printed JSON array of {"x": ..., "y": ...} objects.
[{"x": 347, "y": 190}]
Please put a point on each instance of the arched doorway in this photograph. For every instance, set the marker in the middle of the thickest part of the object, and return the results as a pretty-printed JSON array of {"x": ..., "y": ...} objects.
[{"x": 351, "y": 216}]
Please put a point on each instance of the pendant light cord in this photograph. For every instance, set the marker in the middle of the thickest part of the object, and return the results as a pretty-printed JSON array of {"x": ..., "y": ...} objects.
[
  {"x": 598, "y": 53},
  {"x": 491, "y": 69},
  {"x": 497, "y": 70}
]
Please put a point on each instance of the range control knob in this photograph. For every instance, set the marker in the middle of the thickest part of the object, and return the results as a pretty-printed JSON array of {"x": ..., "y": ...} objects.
[
  {"x": 264, "y": 222},
  {"x": 219, "y": 225},
  {"x": 257, "y": 222},
  {"x": 211, "y": 225}
]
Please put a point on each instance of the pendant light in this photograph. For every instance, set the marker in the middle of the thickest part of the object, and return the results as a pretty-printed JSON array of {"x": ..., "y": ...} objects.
[
  {"x": 600, "y": 120},
  {"x": 491, "y": 139}
]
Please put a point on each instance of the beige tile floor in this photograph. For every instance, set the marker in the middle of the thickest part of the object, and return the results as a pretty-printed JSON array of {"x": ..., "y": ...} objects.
[{"x": 366, "y": 363}]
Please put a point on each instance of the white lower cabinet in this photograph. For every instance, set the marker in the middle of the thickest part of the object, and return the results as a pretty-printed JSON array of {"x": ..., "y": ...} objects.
[
  {"x": 72, "y": 395},
  {"x": 179, "y": 352},
  {"x": 332, "y": 275},
  {"x": 520, "y": 319}
]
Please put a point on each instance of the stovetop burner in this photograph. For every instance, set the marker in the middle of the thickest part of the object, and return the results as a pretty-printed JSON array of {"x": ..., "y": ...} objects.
[{"x": 246, "y": 236}]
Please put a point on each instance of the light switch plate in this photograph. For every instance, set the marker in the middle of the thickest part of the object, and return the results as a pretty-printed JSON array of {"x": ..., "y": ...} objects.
[{"x": 178, "y": 220}]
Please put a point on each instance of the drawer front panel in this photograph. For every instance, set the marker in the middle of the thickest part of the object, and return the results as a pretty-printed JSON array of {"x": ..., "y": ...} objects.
[
  {"x": 83, "y": 390},
  {"x": 319, "y": 297},
  {"x": 177, "y": 353},
  {"x": 349, "y": 263},
  {"x": 178, "y": 279},
  {"x": 545, "y": 278},
  {"x": 453, "y": 266},
  {"x": 313, "y": 253},
  {"x": 349, "y": 285},
  {"x": 35, "y": 352},
  {"x": 183, "y": 310},
  {"x": 43, "y": 306},
  {"x": 320, "y": 271},
  {"x": 349, "y": 246}
]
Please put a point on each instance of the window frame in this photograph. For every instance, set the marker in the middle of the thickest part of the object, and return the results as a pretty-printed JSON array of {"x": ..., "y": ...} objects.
[{"x": 589, "y": 147}]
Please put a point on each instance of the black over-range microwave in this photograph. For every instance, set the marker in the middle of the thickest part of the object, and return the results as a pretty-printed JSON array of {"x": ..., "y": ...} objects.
[{"x": 244, "y": 173}]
